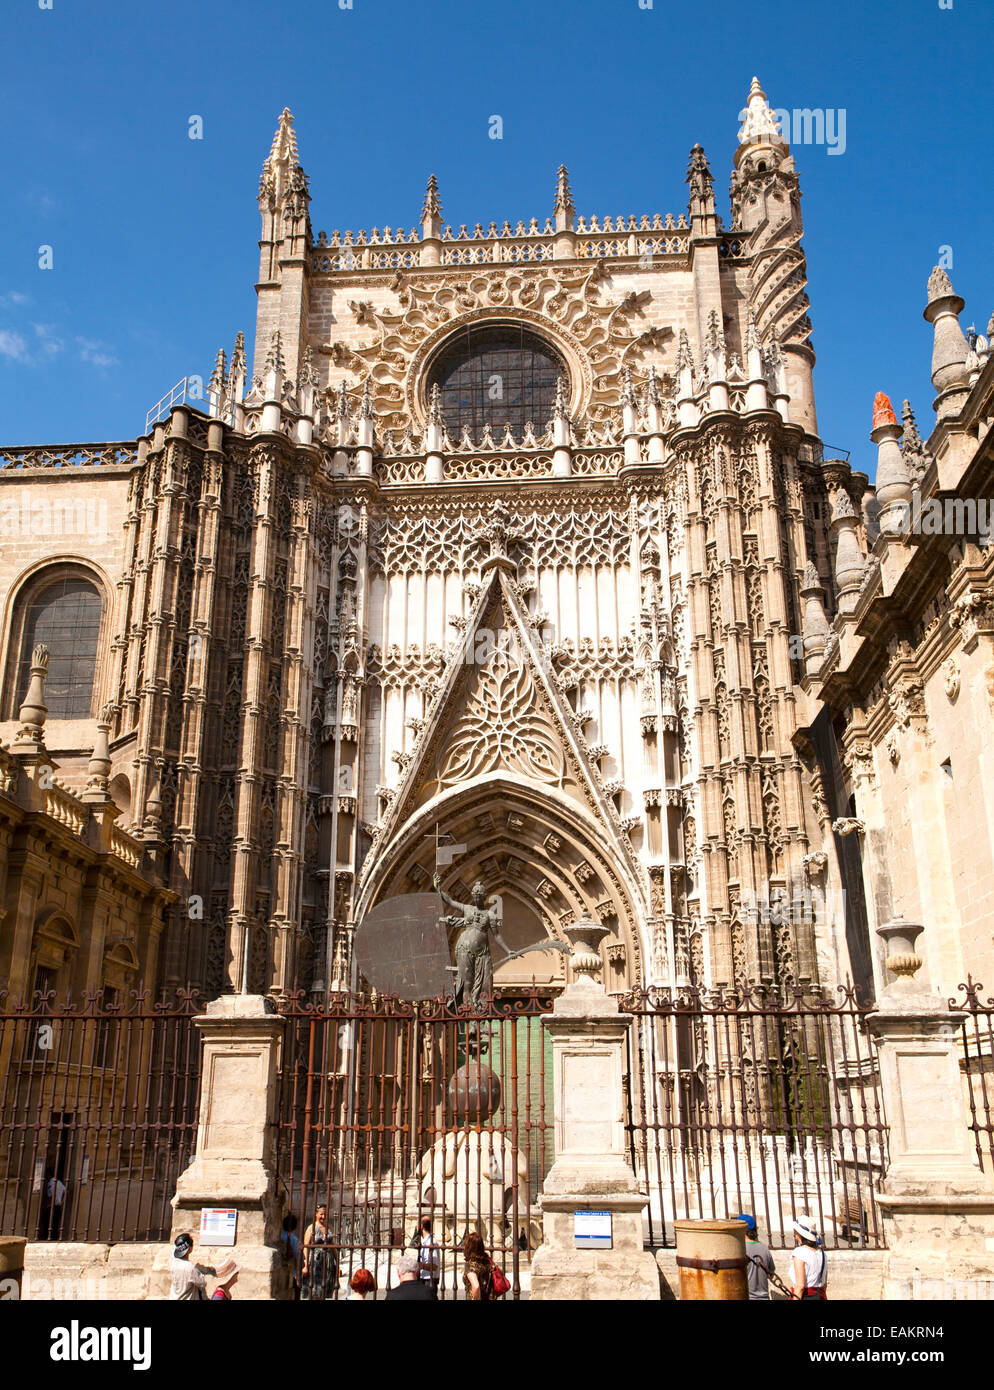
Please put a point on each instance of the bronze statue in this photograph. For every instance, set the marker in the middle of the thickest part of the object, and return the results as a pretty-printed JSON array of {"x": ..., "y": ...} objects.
[{"x": 474, "y": 969}]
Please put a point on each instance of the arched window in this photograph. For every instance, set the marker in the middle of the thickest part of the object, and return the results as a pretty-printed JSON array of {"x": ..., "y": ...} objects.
[
  {"x": 64, "y": 614},
  {"x": 496, "y": 374}
]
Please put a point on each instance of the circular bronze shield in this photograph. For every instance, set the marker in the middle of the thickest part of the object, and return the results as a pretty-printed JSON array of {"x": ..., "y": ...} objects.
[{"x": 402, "y": 947}]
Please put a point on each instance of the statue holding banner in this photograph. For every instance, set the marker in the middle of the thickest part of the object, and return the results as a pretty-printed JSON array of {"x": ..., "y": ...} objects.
[{"x": 474, "y": 968}]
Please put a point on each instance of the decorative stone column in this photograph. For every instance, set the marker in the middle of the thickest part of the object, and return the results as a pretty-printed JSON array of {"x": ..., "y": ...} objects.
[
  {"x": 591, "y": 1173},
  {"x": 937, "y": 1205},
  {"x": 234, "y": 1162}
]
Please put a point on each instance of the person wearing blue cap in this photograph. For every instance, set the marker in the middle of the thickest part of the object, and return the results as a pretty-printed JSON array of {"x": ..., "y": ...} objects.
[{"x": 760, "y": 1261}]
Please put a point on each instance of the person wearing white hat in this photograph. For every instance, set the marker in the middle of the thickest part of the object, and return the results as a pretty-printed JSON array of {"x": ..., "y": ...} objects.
[
  {"x": 227, "y": 1277},
  {"x": 808, "y": 1264}
]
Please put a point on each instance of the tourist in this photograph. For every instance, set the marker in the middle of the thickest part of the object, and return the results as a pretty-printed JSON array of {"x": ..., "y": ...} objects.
[
  {"x": 319, "y": 1263},
  {"x": 291, "y": 1250},
  {"x": 227, "y": 1277},
  {"x": 808, "y": 1264},
  {"x": 410, "y": 1287},
  {"x": 55, "y": 1196},
  {"x": 760, "y": 1261},
  {"x": 188, "y": 1283},
  {"x": 362, "y": 1285},
  {"x": 429, "y": 1255},
  {"x": 478, "y": 1270}
]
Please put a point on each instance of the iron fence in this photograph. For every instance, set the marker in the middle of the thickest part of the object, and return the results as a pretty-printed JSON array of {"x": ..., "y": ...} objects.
[
  {"x": 977, "y": 1065},
  {"x": 750, "y": 1100},
  {"x": 392, "y": 1113},
  {"x": 98, "y": 1114}
]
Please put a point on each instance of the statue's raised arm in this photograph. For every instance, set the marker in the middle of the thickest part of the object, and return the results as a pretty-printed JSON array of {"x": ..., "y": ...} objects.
[{"x": 451, "y": 902}]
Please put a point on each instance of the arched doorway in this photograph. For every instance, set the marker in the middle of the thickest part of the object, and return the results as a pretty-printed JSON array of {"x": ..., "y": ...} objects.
[{"x": 546, "y": 861}]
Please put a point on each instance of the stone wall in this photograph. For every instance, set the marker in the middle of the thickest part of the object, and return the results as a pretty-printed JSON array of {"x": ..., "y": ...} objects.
[{"x": 66, "y": 1270}]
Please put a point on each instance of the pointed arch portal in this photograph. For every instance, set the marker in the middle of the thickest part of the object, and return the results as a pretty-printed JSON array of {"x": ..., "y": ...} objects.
[{"x": 534, "y": 849}]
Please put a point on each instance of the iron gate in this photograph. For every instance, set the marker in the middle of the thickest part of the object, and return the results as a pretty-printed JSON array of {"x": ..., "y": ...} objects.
[
  {"x": 98, "y": 1114},
  {"x": 977, "y": 1066},
  {"x": 760, "y": 1101},
  {"x": 390, "y": 1113}
]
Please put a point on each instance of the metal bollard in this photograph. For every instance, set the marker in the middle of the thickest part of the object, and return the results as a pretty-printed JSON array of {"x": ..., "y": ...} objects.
[
  {"x": 711, "y": 1258},
  {"x": 12, "y": 1250}
]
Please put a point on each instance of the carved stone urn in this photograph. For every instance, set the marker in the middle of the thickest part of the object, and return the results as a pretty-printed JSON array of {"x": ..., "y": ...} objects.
[
  {"x": 585, "y": 937},
  {"x": 900, "y": 938}
]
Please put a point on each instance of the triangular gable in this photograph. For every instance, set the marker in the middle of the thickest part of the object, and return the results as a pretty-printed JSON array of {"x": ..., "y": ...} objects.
[{"x": 499, "y": 711}]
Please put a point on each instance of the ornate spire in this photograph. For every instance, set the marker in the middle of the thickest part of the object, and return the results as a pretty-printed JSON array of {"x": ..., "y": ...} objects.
[
  {"x": 560, "y": 410},
  {"x": 759, "y": 124},
  {"x": 431, "y": 221},
  {"x": 912, "y": 439},
  {"x": 699, "y": 175},
  {"x": 236, "y": 372},
  {"x": 308, "y": 376},
  {"x": 284, "y": 147},
  {"x": 628, "y": 387},
  {"x": 652, "y": 393},
  {"x": 563, "y": 207},
  {"x": 342, "y": 409},
  {"x": 435, "y": 416},
  {"x": 915, "y": 455},
  {"x": 684, "y": 356},
  {"x": 432, "y": 206},
  {"x": 752, "y": 338},
  {"x": 274, "y": 357},
  {"x": 217, "y": 387},
  {"x": 219, "y": 376},
  {"x": 282, "y": 159},
  {"x": 716, "y": 333},
  {"x": 366, "y": 405},
  {"x": 298, "y": 195}
]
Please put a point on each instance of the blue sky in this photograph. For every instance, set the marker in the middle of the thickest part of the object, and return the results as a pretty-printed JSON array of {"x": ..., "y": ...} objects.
[{"x": 154, "y": 236}]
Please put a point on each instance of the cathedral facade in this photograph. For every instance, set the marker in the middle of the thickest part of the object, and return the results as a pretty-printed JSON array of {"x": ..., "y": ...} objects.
[{"x": 516, "y": 551}]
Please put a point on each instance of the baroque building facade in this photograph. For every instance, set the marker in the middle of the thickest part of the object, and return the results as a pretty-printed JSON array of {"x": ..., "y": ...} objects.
[{"x": 515, "y": 550}]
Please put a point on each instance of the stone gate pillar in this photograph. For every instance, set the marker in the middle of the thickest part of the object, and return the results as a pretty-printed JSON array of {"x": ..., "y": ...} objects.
[
  {"x": 234, "y": 1162},
  {"x": 591, "y": 1174},
  {"x": 937, "y": 1206}
]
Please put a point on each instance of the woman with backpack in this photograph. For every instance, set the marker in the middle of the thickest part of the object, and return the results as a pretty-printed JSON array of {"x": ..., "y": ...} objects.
[
  {"x": 478, "y": 1270},
  {"x": 482, "y": 1279}
]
